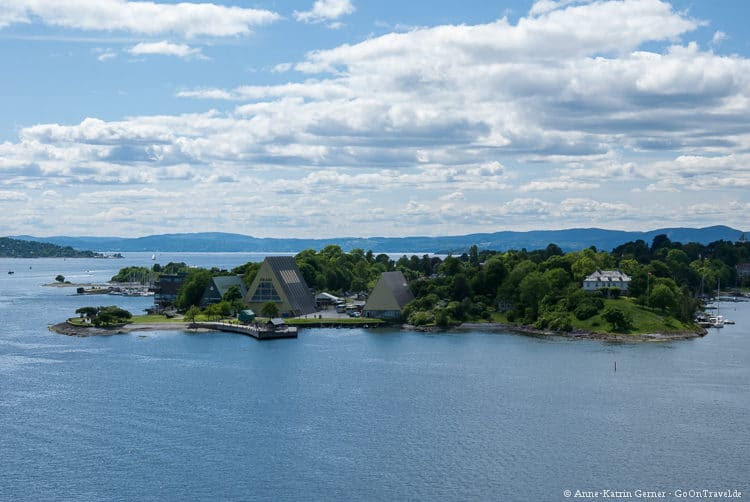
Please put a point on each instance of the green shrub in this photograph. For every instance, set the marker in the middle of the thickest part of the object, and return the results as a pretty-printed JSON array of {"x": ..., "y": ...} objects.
[
  {"x": 421, "y": 318},
  {"x": 585, "y": 311},
  {"x": 555, "y": 321}
]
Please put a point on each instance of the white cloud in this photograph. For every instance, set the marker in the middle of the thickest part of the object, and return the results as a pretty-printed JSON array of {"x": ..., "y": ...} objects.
[
  {"x": 15, "y": 196},
  {"x": 207, "y": 94},
  {"x": 12, "y": 14},
  {"x": 165, "y": 48},
  {"x": 282, "y": 67},
  {"x": 446, "y": 129},
  {"x": 105, "y": 54},
  {"x": 718, "y": 38},
  {"x": 546, "y": 6},
  {"x": 326, "y": 10},
  {"x": 554, "y": 185},
  {"x": 149, "y": 18}
]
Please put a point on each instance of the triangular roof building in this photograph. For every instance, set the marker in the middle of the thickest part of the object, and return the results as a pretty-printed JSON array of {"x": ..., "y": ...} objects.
[
  {"x": 389, "y": 296},
  {"x": 279, "y": 280},
  {"x": 218, "y": 286}
]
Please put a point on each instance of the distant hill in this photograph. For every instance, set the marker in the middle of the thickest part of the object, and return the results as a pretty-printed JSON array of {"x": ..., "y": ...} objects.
[
  {"x": 569, "y": 240},
  {"x": 15, "y": 248}
]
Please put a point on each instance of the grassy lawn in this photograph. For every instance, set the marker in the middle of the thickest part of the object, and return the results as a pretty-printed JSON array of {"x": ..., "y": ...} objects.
[
  {"x": 159, "y": 319},
  {"x": 340, "y": 320},
  {"x": 154, "y": 318},
  {"x": 644, "y": 320}
]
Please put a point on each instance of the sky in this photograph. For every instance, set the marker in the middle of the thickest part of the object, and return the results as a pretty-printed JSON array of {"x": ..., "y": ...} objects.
[{"x": 332, "y": 118}]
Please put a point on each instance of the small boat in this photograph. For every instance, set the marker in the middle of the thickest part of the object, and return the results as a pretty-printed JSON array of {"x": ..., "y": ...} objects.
[
  {"x": 728, "y": 321},
  {"x": 10, "y": 272},
  {"x": 153, "y": 256},
  {"x": 716, "y": 321}
]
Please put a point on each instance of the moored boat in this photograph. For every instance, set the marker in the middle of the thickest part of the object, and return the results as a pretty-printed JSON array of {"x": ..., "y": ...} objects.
[{"x": 716, "y": 321}]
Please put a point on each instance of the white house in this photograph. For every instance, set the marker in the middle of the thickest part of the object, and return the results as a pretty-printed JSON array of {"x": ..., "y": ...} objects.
[{"x": 606, "y": 279}]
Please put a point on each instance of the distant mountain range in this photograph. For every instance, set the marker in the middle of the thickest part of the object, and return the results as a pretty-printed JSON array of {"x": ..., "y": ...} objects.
[{"x": 569, "y": 240}]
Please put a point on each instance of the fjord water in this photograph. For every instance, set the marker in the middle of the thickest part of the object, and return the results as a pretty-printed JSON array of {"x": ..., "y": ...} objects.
[{"x": 353, "y": 414}]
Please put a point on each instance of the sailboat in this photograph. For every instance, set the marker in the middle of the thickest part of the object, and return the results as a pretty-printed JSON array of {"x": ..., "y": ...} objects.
[
  {"x": 153, "y": 256},
  {"x": 717, "y": 321}
]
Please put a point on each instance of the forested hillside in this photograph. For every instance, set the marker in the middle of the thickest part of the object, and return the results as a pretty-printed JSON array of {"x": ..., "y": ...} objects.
[{"x": 15, "y": 248}]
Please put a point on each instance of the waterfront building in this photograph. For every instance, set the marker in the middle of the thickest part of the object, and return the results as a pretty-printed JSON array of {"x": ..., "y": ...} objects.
[
  {"x": 218, "y": 287},
  {"x": 388, "y": 298},
  {"x": 279, "y": 280},
  {"x": 166, "y": 288},
  {"x": 601, "y": 279}
]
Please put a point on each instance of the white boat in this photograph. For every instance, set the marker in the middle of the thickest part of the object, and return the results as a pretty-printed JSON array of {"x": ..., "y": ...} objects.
[
  {"x": 716, "y": 321},
  {"x": 728, "y": 321},
  {"x": 153, "y": 256}
]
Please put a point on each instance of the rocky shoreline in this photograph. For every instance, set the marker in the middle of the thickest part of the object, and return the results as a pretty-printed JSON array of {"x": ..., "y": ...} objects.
[
  {"x": 69, "y": 329},
  {"x": 583, "y": 334}
]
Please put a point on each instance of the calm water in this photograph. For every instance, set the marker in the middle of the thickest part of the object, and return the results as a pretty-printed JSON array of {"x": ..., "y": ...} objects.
[{"x": 353, "y": 414}]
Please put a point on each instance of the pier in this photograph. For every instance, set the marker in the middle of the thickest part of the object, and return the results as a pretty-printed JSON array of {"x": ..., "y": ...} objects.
[{"x": 259, "y": 332}]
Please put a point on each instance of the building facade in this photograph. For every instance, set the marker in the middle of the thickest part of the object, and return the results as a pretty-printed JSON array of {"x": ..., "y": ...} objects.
[
  {"x": 166, "y": 288},
  {"x": 388, "y": 298},
  {"x": 279, "y": 281},
  {"x": 218, "y": 287},
  {"x": 601, "y": 279}
]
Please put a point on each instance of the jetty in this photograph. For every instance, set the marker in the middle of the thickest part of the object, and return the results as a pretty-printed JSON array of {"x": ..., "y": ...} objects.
[{"x": 269, "y": 331}]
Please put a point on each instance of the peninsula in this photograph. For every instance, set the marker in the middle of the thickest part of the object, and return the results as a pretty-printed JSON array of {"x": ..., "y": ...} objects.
[{"x": 638, "y": 291}]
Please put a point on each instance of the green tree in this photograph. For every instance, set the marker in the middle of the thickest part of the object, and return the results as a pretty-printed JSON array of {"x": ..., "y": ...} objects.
[
  {"x": 460, "y": 288},
  {"x": 132, "y": 274},
  {"x": 192, "y": 313},
  {"x": 111, "y": 315},
  {"x": 663, "y": 297},
  {"x": 232, "y": 294},
  {"x": 60, "y": 278},
  {"x": 269, "y": 309},
  {"x": 87, "y": 311},
  {"x": 192, "y": 289},
  {"x": 532, "y": 289},
  {"x": 213, "y": 312},
  {"x": 618, "y": 318},
  {"x": 582, "y": 267}
]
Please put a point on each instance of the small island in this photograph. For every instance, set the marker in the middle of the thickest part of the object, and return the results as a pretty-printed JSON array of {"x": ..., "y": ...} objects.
[{"x": 635, "y": 292}]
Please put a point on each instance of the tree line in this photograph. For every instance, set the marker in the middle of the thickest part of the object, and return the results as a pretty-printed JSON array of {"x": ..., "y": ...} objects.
[{"x": 540, "y": 287}]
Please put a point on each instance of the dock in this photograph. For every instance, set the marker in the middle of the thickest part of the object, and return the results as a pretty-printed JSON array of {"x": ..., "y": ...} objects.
[{"x": 259, "y": 332}]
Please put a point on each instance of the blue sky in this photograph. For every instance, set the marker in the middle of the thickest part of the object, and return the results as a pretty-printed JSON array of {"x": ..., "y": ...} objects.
[{"x": 323, "y": 118}]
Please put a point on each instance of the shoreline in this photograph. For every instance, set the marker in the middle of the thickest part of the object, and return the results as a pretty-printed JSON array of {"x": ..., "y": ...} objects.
[
  {"x": 68, "y": 329},
  {"x": 580, "y": 334}
]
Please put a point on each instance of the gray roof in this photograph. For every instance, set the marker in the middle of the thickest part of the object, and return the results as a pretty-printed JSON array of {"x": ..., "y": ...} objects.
[
  {"x": 393, "y": 283},
  {"x": 291, "y": 279},
  {"x": 327, "y": 296},
  {"x": 398, "y": 286},
  {"x": 224, "y": 282},
  {"x": 607, "y": 276}
]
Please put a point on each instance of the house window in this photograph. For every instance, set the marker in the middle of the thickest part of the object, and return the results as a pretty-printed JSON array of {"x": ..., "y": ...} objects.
[{"x": 265, "y": 292}]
